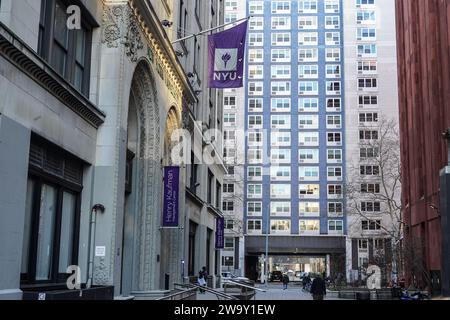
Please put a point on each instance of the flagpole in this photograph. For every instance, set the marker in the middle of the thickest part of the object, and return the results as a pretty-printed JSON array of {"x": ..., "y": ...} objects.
[{"x": 209, "y": 30}]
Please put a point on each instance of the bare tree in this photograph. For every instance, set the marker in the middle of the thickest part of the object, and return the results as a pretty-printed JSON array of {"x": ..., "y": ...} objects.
[{"x": 373, "y": 190}]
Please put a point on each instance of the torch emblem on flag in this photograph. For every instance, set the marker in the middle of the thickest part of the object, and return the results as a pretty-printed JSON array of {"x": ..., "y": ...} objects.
[{"x": 226, "y": 57}]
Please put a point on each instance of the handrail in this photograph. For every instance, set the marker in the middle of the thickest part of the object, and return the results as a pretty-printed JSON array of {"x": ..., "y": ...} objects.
[
  {"x": 170, "y": 296},
  {"x": 217, "y": 293},
  {"x": 243, "y": 285}
]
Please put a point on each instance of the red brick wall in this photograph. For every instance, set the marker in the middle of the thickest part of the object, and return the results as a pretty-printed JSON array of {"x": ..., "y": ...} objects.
[{"x": 423, "y": 34}]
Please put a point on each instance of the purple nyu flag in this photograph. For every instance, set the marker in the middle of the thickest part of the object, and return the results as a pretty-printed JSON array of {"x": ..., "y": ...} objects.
[
  {"x": 171, "y": 194},
  {"x": 226, "y": 57},
  {"x": 220, "y": 233}
]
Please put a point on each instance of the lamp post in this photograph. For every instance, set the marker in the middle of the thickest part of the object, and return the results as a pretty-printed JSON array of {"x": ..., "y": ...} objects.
[{"x": 266, "y": 258}]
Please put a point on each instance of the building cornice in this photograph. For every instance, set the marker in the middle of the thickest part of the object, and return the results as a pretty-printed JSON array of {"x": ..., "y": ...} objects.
[{"x": 17, "y": 52}]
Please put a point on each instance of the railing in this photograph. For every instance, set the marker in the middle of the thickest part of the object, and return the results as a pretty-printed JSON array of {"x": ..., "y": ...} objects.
[
  {"x": 242, "y": 291},
  {"x": 218, "y": 294},
  {"x": 186, "y": 294}
]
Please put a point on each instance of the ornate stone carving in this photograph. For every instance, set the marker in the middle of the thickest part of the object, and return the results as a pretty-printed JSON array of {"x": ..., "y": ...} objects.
[
  {"x": 120, "y": 27},
  {"x": 101, "y": 273}
]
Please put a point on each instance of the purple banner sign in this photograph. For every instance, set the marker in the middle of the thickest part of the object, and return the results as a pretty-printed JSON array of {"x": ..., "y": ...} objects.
[
  {"x": 171, "y": 194},
  {"x": 226, "y": 57},
  {"x": 220, "y": 233}
]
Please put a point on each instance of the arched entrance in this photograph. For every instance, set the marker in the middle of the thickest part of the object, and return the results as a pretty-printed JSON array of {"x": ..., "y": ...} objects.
[{"x": 140, "y": 259}]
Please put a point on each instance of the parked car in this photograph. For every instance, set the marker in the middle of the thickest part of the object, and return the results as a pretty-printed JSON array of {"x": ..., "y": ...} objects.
[{"x": 276, "y": 276}]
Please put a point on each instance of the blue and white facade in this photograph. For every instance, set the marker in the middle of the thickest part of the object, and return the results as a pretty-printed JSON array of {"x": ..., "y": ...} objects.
[{"x": 295, "y": 119}]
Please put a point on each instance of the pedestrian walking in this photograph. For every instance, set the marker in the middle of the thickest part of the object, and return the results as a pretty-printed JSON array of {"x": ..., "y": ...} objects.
[
  {"x": 201, "y": 281},
  {"x": 285, "y": 281},
  {"x": 318, "y": 288}
]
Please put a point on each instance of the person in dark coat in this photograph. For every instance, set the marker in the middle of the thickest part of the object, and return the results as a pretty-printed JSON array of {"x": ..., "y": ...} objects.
[
  {"x": 285, "y": 281},
  {"x": 318, "y": 288}
]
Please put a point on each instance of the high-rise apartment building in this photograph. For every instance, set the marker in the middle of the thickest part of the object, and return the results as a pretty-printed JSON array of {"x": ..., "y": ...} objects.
[{"x": 295, "y": 118}]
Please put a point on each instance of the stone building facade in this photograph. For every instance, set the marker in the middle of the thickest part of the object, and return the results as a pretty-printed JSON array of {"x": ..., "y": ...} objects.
[{"x": 87, "y": 124}]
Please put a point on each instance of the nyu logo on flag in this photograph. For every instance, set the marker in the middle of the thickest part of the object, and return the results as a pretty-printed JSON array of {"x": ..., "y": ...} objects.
[{"x": 226, "y": 57}]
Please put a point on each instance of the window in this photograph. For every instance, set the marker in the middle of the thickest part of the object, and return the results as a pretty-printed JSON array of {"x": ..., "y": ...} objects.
[
  {"x": 280, "y": 191},
  {"x": 256, "y": 39},
  {"x": 280, "y": 139},
  {"x": 373, "y": 188},
  {"x": 333, "y": 54},
  {"x": 281, "y": 23},
  {"x": 368, "y": 117},
  {"x": 307, "y": 6},
  {"x": 254, "y": 209},
  {"x": 280, "y": 173},
  {"x": 367, "y": 16},
  {"x": 254, "y": 191},
  {"x": 309, "y": 227},
  {"x": 332, "y": 22},
  {"x": 256, "y": 23},
  {"x": 229, "y": 224},
  {"x": 334, "y": 122},
  {"x": 229, "y": 119},
  {"x": 334, "y": 156},
  {"x": 255, "y": 156},
  {"x": 281, "y": 55},
  {"x": 229, "y": 136},
  {"x": 256, "y": 7},
  {"x": 254, "y": 173},
  {"x": 229, "y": 244},
  {"x": 280, "y": 156},
  {"x": 51, "y": 230},
  {"x": 281, "y": 88},
  {"x": 334, "y": 139},
  {"x": 369, "y": 83},
  {"x": 308, "y": 121},
  {"x": 255, "y": 105},
  {"x": 255, "y": 121},
  {"x": 308, "y": 71},
  {"x": 281, "y": 105},
  {"x": 368, "y": 101},
  {"x": 367, "y": 50},
  {"x": 309, "y": 173},
  {"x": 333, "y": 87},
  {"x": 228, "y": 206},
  {"x": 308, "y": 88},
  {"x": 280, "y": 209},
  {"x": 228, "y": 188},
  {"x": 370, "y": 170},
  {"x": 67, "y": 51},
  {"x": 281, "y": 7},
  {"x": 307, "y": 22},
  {"x": 308, "y": 105},
  {"x": 367, "y": 67},
  {"x": 256, "y": 55},
  {"x": 335, "y": 226},
  {"x": 333, "y": 104},
  {"x": 334, "y": 173},
  {"x": 230, "y": 17},
  {"x": 308, "y": 38},
  {"x": 280, "y": 226},
  {"x": 366, "y": 34},
  {"x": 255, "y": 88},
  {"x": 332, "y": 38},
  {"x": 255, "y": 138},
  {"x": 254, "y": 226},
  {"x": 281, "y": 121},
  {"x": 332, "y": 6},
  {"x": 333, "y": 71},
  {"x": 368, "y": 135},
  {"x": 309, "y": 209},
  {"x": 281, "y": 39},
  {"x": 229, "y": 102},
  {"x": 281, "y": 72},
  {"x": 370, "y": 207},
  {"x": 309, "y": 191},
  {"x": 308, "y": 155},
  {"x": 368, "y": 153},
  {"x": 371, "y": 225},
  {"x": 308, "y": 139},
  {"x": 335, "y": 191},
  {"x": 256, "y": 71},
  {"x": 365, "y": 3},
  {"x": 308, "y": 55},
  {"x": 335, "y": 209}
]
